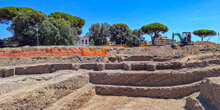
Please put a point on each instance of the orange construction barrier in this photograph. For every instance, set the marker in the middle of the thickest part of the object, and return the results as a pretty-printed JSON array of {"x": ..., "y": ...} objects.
[
  {"x": 52, "y": 52},
  {"x": 43, "y": 52},
  {"x": 94, "y": 52}
]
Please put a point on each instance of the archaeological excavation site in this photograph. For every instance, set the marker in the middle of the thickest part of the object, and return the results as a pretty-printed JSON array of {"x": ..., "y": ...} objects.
[{"x": 117, "y": 78}]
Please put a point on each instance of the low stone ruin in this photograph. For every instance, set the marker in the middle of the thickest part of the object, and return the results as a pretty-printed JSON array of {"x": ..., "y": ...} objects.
[{"x": 69, "y": 86}]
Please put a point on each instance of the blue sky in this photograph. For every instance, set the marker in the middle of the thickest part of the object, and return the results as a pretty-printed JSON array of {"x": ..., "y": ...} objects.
[{"x": 178, "y": 15}]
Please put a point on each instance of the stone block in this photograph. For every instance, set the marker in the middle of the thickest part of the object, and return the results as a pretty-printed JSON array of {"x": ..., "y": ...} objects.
[
  {"x": 143, "y": 66},
  {"x": 34, "y": 69},
  {"x": 6, "y": 72}
]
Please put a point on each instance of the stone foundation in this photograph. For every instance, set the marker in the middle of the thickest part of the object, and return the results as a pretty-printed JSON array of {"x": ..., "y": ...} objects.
[
  {"x": 210, "y": 91},
  {"x": 157, "y": 78},
  {"x": 171, "y": 92},
  {"x": 41, "y": 95}
]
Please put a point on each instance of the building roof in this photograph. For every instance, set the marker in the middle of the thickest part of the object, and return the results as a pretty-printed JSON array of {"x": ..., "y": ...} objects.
[
  {"x": 85, "y": 37},
  {"x": 80, "y": 38}
]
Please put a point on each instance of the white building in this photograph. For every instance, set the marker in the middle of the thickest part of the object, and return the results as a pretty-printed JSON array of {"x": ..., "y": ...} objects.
[{"x": 82, "y": 41}]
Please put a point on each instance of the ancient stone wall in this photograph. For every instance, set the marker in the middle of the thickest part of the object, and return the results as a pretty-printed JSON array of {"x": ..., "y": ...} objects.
[{"x": 210, "y": 91}]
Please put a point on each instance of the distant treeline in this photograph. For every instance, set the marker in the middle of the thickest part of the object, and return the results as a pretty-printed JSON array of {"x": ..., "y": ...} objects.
[{"x": 32, "y": 27}]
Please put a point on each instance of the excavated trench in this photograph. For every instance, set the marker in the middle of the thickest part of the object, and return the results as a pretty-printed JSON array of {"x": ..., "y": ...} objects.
[{"x": 128, "y": 85}]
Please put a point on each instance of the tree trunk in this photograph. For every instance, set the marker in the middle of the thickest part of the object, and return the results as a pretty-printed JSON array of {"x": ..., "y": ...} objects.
[
  {"x": 202, "y": 38},
  {"x": 153, "y": 40}
]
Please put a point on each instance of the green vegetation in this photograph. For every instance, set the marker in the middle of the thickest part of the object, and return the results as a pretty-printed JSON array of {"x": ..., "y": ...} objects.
[
  {"x": 133, "y": 40},
  {"x": 24, "y": 27},
  {"x": 75, "y": 22},
  {"x": 139, "y": 33},
  {"x": 154, "y": 30},
  {"x": 98, "y": 33},
  {"x": 57, "y": 32},
  {"x": 31, "y": 27},
  {"x": 122, "y": 34},
  {"x": 119, "y": 33},
  {"x": 92, "y": 42},
  {"x": 8, "y": 13},
  {"x": 204, "y": 33}
]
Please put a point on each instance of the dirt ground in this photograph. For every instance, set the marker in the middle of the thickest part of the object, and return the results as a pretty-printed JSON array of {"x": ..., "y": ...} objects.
[
  {"x": 132, "y": 103},
  {"x": 158, "y": 51},
  {"x": 195, "y": 52}
]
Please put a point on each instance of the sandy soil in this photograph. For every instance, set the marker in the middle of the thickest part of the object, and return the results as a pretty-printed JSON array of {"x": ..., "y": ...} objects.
[
  {"x": 132, "y": 103},
  {"x": 15, "y": 83}
]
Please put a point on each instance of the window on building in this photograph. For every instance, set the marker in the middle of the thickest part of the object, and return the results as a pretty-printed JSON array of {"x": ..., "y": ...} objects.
[{"x": 82, "y": 41}]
